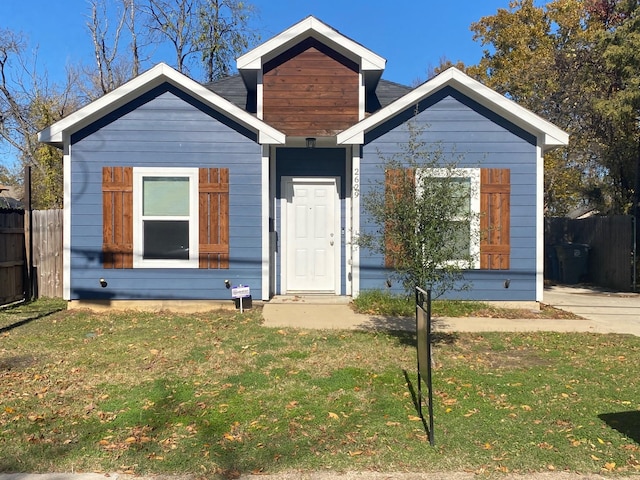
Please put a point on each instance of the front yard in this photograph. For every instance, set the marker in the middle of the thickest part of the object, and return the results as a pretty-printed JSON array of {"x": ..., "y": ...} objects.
[{"x": 219, "y": 394}]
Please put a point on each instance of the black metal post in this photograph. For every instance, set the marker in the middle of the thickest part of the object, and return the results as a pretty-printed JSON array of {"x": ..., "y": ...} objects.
[{"x": 29, "y": 287}]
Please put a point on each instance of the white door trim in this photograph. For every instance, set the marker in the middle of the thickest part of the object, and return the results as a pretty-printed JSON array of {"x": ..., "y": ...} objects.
[{"x": 286, "y": 223}]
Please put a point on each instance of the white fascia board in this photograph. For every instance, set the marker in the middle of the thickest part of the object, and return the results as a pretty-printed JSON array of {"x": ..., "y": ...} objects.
[
  {"x": 508, "y": 109},
  {"x": 152, "y": 78},
  {"x": 313, "y": 27}
]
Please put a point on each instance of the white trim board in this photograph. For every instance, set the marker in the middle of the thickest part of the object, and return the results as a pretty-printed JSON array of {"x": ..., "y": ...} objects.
[
  {"x": 551, "y": 135},
  {"x": 161, "y": 73},
  {"x": 311, "y": 27}
]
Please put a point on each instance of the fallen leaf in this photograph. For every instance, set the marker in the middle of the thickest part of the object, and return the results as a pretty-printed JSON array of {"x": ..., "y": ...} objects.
[
  {"x": 610, "y": 466},
  {"x": 333, "y": 415}
]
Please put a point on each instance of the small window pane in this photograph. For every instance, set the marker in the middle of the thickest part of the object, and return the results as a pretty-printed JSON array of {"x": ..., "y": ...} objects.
[
  {"x": 165, "y": 196},
  {"x": 166, "y": 240},
  {"x": 461, "y": 239},
  {"x": 463, "y": 190}
]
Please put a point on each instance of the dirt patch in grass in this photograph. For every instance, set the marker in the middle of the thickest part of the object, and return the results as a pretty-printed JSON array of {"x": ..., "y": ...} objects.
[
  {"x": 513, "y": 359},
  {"x": 546, "y": 311}
]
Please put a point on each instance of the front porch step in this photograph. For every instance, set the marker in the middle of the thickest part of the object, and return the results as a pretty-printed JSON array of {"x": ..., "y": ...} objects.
[{"x": 311, "y": 299}]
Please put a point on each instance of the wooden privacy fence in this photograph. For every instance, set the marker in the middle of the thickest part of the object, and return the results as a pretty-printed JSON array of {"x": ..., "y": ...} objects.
[
  {"x": 46, "y": 238},
  {"x": 610, "y": 239},
  {"x": 47, "y": 253},
  {"x": 13, "y": 261}
]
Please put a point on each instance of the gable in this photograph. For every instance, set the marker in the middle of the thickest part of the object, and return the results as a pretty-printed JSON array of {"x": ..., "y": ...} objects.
[
  {"x": 311, "y": 90},
  {"x": 450, "y": 117},
  {"x": 547, "y": 135},
  {"x": 162, "y": 111},
  {"x": 138, "y": 87}
]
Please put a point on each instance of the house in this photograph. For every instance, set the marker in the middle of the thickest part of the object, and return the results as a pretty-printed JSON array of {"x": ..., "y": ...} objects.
[
  {"x": 174, "y": 189},
  {"x": 9, "y": 197}
]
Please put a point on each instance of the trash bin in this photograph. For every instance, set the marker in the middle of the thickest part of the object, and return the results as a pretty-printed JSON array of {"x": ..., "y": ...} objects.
[
  {"x": 573, "y": 262},
  {"x": 551, "y": 267}
]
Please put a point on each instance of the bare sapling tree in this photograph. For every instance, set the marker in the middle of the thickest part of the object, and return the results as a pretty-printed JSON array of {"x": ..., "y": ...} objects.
[
  {"x": 112, "y": 68},
  {"x": 28, "y": 103},
  {"x": 206, "y": 35},
  {"x": 223, "y": 34},
  {"x": 173, "y": 21}
]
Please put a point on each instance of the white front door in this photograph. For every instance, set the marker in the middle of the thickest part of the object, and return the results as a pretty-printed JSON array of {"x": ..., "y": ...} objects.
[{"x": 311, "y": 235}]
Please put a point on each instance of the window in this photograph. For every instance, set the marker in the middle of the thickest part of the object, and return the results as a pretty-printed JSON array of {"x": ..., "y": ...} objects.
[
  {"x": 466, "y": 183},
  {"x": 487, "y": 237},
  {"x": 165, "y": 217}
]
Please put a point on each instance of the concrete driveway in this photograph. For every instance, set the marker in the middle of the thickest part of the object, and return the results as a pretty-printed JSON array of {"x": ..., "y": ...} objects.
[{"x": 606, "y": 311}]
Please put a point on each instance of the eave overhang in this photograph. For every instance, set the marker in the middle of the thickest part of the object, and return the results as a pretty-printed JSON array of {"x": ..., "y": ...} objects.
[
  {"x": 158, "y": 75},
  {"x": 549, "y": 136}
]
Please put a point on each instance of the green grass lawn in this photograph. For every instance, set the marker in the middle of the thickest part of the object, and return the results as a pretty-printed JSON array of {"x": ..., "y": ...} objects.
[{"x": 218, "y": 393}]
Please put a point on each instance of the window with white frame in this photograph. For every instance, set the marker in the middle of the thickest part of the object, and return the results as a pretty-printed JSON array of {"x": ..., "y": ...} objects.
[
  {"x": 165, "y": 217},
  {"x": 467, "y": 224}
]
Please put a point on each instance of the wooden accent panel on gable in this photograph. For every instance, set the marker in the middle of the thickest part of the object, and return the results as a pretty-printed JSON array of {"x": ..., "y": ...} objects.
[
  {"x": 311, "y": 90},
  {"x": 495, "y": 201}
]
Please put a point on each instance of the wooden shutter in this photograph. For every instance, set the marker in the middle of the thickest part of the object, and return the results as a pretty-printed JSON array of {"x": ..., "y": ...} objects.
[
  {"x": 396, "y": 184},
  {"x": 495, "y": 193},
  {"x": 117, "y": 217},
  {"x": 213, "y": 195}
]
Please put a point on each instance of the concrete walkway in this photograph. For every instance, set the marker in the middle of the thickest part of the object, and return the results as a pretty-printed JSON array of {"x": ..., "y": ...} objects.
[{"x": 601, "y": 312}]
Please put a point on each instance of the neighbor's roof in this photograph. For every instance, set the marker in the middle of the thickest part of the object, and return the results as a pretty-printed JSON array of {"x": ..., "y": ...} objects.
[
  {"x": 549, "y": 135},
  {"x": 161, "y": 73}
]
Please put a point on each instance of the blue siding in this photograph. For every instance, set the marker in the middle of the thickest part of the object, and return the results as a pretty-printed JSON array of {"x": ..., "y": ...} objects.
[
  {"x": 164, "y": 128},
  {"x": 474, "y": 137}
]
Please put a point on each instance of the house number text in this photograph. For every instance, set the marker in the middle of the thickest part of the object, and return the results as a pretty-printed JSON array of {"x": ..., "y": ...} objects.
[{"x": 356, "y": 182}]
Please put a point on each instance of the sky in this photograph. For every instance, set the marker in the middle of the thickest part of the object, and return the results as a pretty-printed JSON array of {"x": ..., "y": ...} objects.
[{"x": 412, "y": 35}]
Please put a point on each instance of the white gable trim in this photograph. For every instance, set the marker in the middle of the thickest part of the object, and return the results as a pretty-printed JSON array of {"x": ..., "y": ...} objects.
[
  {"x": 152, "y": 78},
  {"x": 508, "y": 109},
  {"x": 311, "y": 27}
]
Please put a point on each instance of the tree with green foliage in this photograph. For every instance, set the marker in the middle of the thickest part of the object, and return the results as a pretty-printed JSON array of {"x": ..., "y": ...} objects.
[
  {"x": 573, "y": 62},
  {"x": 423, "y": 217}
]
